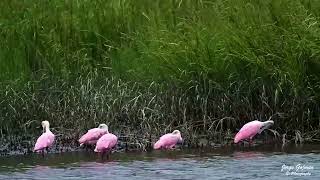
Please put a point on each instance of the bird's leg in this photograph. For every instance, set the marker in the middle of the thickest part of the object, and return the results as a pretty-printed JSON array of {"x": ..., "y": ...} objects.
[
  {"x": 42, "y": 153},
  {"x": 87, "y": 147},
  {"x": 250, "y": 141},
  {"x": 108, "y": 155},
  {"x": 102, "y": 155},
  {"x": 244, "y": 143}
]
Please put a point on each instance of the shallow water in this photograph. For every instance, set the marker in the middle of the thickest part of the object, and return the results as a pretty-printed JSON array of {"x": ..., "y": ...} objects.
[{"x": 262, "y": 162}]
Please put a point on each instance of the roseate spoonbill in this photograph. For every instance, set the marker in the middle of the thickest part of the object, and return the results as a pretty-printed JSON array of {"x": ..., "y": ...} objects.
[
  {"x": 92, "y": 136},
  {"x": 46, "y": 139},
  {"x": 249, "y": 130},
  {"x": 168, "y": 141},
  {"x": 106, "y": 143}
]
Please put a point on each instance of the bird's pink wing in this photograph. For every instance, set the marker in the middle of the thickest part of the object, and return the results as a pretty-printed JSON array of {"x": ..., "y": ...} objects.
[
  {"x": 44, "y": 141},
  {"x": 248, "y": 130},
  {"x": 157, "y": 145},
  {"x": 113, "y": 141},
  {"x": 166, "y": 141},
  {"x": 249, "y": 125},
  {"x": 106, "y": 142},
  {"x": 92, "y": 135}
]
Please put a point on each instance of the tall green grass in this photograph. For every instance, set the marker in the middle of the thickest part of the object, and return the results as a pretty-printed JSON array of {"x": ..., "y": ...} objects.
[{"x": 203, "y": 66}]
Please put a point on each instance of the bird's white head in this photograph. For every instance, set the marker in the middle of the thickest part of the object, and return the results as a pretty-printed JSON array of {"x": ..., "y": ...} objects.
[
  {"x": 104, "y": 126},
  {"x": 178, "y": 134},
  {"x": 266, "y": 125},
  {"x": 45, "y": 125}
]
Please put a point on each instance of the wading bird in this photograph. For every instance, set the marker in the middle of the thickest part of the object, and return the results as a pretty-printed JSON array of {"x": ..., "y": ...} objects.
[
  {"x": 106, "y": 143},
  {"x": 168, "y": 141},
  {"x": 249, "y": 130},
  {"x": 46, "y": 139},
  {"x": 92, "y": 136}
]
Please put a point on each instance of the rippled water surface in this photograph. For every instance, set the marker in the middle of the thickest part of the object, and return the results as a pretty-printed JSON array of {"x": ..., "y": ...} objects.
[{"x": 262, "y": 162}]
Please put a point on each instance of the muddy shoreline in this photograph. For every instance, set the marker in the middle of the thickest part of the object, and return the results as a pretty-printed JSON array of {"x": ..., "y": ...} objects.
[{"x": 22, "y": 145}]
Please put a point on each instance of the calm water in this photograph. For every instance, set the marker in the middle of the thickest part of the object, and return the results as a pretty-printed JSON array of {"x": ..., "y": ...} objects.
[{"x": 263, "y": 162}]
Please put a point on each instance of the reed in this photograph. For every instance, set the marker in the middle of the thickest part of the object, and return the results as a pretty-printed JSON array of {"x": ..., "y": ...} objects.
[{"x": 206, "y": 67}]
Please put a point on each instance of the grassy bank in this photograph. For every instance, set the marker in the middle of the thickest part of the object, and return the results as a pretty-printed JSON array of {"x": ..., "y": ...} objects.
[{"x": 205, "y": 67}]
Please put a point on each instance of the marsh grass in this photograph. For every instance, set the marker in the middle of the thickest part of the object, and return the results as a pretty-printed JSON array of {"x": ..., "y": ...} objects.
[{"x": 205, "y": 67}]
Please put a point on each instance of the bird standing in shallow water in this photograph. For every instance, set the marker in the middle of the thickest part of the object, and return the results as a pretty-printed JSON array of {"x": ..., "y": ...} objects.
[
  {"x": 46, "y": 139},
  {"x": 168, "y": 141},
  {"x": 106, "y": 143},
  {"x": 249, "y": 130},
  {"x": 92, "y": 136}
]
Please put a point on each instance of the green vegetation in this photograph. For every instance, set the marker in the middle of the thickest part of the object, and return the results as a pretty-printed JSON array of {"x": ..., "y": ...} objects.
[{"x": 205, "y": 67}]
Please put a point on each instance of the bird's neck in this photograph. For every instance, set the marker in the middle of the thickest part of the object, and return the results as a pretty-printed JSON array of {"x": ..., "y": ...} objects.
[
  {"x": 47, "y": 129},
  {"x": 106, "y": 130}
]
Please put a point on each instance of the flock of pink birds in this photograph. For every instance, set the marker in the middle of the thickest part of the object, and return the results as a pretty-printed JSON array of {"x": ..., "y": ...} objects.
[{"x": 105, "y": 141}]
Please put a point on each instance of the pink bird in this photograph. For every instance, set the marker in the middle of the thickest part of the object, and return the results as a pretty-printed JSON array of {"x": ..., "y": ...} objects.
[
  {"x": 92, "y": 136},
  {"x": 168, "y": 141},
  {"x": 249, "y": 130},
  {"x": 106, "y": 142},
  {"x": 45, "y": 140}
]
